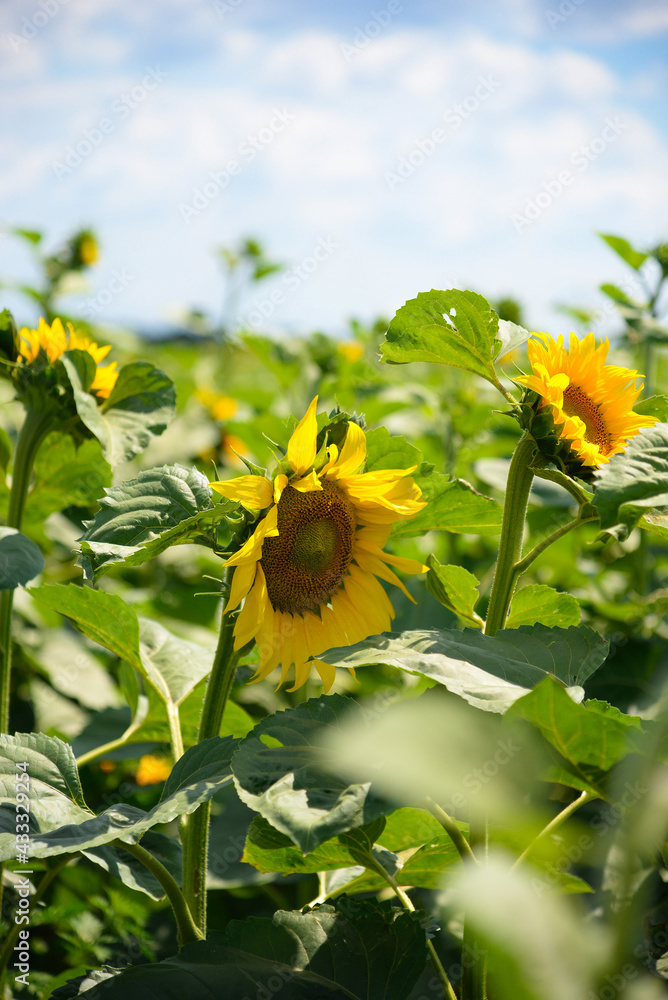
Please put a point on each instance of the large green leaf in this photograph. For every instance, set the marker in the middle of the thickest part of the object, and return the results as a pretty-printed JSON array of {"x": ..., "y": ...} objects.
[
  {"x": 450, "y": 327},
  {"x": 452, "y": 505},
  {"x": 354, "y": 950},
  {"x": 386, "y": 451},
  {"x": 538, "y": 603},
  {"x": 280, "y": 772},
  {"x": 428, "y": 852},
  {"x": 594, "y": 733},
  {"x": 139, "y": 407},
  {"x": 634, "y": 481},
  {"x": 490, "y": 672},
  {"x": 105, "y": 618},
  {"x": 173, "y": 666},
  {"x": 60, "y": 821},
  {"x": 20, "y": 559},
  {"x": 144, "y": 516}
]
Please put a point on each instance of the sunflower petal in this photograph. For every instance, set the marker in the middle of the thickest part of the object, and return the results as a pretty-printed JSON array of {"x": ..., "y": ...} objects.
[
  {"x": 253, "y": 491},
  {"x": 302, "y": 444},
  {"x": 353, "y": 453},
  {"x": 253, "y": 612}
]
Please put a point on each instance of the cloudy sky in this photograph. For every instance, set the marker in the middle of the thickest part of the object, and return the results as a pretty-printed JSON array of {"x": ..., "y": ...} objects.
[{"x": 379, "y": 150}]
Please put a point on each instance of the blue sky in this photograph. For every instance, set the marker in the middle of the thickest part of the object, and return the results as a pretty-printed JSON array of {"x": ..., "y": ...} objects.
[{"x": 380, "y": 149}]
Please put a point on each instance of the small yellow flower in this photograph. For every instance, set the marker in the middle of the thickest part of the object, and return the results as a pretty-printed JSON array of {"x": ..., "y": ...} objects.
[
  {"x": 591, "y": 402},
  {"x": 351, "y": 350},
  {"x": 152, "y": 768},
  {"x": 220, "y": 407},
  {"x": 54, "y": 340},
  {"x": 308, "y": 572}
]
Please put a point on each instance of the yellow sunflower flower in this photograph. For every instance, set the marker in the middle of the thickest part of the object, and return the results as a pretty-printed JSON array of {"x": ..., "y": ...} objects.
[
  {"x": 591, "y": 403},
  {"x": 54, "y": 340},
  {"x": 152, "y": 768},
  {"x": 308, "y": 572}
]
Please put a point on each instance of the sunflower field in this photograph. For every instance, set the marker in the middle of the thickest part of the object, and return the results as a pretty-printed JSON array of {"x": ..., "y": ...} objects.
[{"x": 334, "y": 668}]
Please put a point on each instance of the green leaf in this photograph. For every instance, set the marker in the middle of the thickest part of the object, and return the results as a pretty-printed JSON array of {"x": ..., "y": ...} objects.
[
  {"x": 427, "y": 852},
  {"x": 271, "y": 851},
  {"x": 173, "y": 666},
  {"x": 455, "y": 588},
  {"x": 624, "y": 250},
  {"x": 139, "y": 407},
  {"x": 144, "y": 516},
  {"x": 538, "y": 603},
  {"x": 617, "y": 295},
  {"x": 52, "y": 769},
  {"x": 653, "y": 406},
  {"x": 453, "y": 327},
  {"x": 105, "y": 618},
  {"x": 386, "y": 451},
  {"x": 132, "y": 872},
  {"x": 595, "y": 734},
  {"x": 20, "y": 559},
  {"x": 634, "y": 481},
  {"x": 62, "y": 824},
  {"x": 66, "y": 476},
  {"x": 452, "y": 505},
  {"x": 280, "y": 771},
  {"x": 490, "y": 672},
  {"x": 354, "y": 950},
  {"x": 511, "y": 337}
]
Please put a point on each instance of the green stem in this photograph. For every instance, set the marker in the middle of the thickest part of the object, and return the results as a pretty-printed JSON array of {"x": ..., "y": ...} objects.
[
  {"x": 187, "y": 928},
  {"x": 452, "y": 830},
  {"x": 35, "y": 427},
  {"x": 13, "y": 935},
  {"x": 555, "y": 823},
  {"x": 523, "y": 564},
  {"x": 520, "y": 477},
  {"x": 436, "y": 963},
  {"x": 195, "y": 834},
  {"x": 101, "y": 751},
  {"x": 474, "y": 965}
]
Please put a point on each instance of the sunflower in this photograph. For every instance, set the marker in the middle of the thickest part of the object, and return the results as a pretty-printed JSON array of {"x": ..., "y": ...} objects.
[
  {"x": 308, "y": 572},
  {"x": 54, "y": 340},
  {"x": 591, "y": 403}
]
